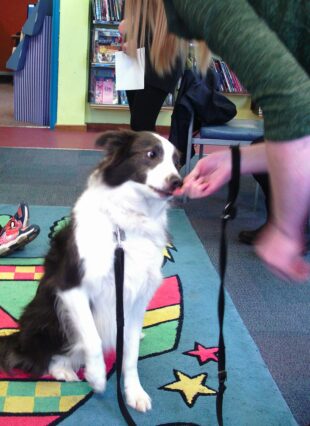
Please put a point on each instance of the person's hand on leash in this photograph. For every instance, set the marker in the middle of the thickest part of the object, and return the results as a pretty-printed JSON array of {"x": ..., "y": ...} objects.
[{"x": 209, "y": 175}]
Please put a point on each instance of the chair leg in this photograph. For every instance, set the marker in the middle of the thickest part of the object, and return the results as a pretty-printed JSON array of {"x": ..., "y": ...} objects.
[
  {"x": 256, "y": 197},
  {"x": 200, "y": 151},
  {"x": 189, "y": 151}
]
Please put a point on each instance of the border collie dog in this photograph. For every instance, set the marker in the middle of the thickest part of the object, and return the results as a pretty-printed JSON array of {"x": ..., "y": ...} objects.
[{"x": 72, "y": 318}]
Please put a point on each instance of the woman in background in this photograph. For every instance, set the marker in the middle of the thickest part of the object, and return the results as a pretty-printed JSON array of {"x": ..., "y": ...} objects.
[{"x": 145, "y": 104}]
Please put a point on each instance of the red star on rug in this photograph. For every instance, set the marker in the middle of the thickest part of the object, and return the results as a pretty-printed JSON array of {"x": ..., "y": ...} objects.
[{"x": 203, "y": 354}]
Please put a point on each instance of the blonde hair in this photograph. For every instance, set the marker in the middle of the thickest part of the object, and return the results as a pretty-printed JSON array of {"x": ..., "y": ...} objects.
[{"x": 146, "y": 24}]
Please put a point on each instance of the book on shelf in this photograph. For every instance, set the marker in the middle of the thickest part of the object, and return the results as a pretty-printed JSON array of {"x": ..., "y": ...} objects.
[
  {"x": 107, "y": 10},
  {"x": 228, "y": 80},
  {"x": 106, "y": 42},
  {"x": 102, "y": 90}
]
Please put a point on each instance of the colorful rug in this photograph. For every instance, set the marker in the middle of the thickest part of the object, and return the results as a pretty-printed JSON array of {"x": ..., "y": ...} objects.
[{"x": 178, "y": 356}]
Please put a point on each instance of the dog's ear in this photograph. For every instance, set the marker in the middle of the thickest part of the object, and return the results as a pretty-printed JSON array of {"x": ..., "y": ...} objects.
[{"x": 113, "y": 140}]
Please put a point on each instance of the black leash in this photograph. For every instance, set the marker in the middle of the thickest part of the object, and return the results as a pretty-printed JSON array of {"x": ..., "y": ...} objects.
[
  {"x": 228, "y": 213},
  {"x": 119, "y": 264}
]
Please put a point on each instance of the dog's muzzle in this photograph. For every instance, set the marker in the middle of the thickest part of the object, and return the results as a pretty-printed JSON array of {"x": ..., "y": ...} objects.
[{"x": 174, "y": 182}]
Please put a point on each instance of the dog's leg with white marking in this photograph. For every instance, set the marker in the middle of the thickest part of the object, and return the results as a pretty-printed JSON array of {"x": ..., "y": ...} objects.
[
  {"x": 78, "y": 309},
  {"x": 136, "y": 396},
  {"x": 60, "y": 368}
]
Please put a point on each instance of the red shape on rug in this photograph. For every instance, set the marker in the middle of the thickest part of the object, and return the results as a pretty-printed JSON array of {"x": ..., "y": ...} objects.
[
  {"x": 6, "y": 321},
  {"x": 27, "y": 420},
  {"x": 167, "y": 294}
]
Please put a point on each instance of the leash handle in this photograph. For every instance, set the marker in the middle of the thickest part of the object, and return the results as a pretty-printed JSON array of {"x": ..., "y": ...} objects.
[
  {"x": 228, "y": 213},
  {"x": 119, "y": 263}
]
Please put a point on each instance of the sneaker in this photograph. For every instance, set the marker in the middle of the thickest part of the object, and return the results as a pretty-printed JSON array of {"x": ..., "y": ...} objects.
[
  {"x": 22, "y": 214},
  {"x": 249, "y": 237},
  {"x": 14, "y": 236}
]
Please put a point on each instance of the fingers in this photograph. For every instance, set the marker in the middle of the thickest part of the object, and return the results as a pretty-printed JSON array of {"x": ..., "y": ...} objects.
[
  {"x": 124, "y": 47},
  {"x": 197, "y": 187},
  {"x": 122, "y": 27}
]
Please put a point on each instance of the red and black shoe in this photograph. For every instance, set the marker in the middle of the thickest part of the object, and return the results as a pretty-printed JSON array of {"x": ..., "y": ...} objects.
[{"x": 16, "y": 233}]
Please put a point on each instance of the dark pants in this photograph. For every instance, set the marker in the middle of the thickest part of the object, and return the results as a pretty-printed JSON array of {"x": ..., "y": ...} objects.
[
  {"x": 263, "y": 181},
  {"x": 144, "y": 107}
]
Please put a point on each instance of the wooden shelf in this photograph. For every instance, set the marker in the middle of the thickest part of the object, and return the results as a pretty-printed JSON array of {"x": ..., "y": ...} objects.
[
  {"x": 116, "y": 107},
  {"x": 236, "y": 93},
  {"x": 96, "y": 22}
]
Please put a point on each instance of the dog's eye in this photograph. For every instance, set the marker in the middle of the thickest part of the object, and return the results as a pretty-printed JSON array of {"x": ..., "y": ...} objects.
[{"x": 151, "y": 154}]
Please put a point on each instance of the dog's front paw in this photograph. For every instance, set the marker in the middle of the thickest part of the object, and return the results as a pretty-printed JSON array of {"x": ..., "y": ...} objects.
[
  {"x": 96, "y": 376},
  {"x": 98, "y": 383},
  {"x": 138, "y": 399}
]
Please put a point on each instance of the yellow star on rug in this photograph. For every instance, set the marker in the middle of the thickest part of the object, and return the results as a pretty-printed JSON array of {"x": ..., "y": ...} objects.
[{"x": 189, "y": 387}]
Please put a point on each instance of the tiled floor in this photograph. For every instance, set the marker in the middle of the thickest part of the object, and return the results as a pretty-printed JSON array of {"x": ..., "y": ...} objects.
[{"x": 6, "y": 105}]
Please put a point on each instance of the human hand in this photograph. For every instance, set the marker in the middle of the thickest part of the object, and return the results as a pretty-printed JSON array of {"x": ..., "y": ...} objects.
[
  {"x": 122, "y": 27},
  {"x": 124, "y": 47},
  {"x": 209, "y": 175},
  {"x": 122, "y": 30}
]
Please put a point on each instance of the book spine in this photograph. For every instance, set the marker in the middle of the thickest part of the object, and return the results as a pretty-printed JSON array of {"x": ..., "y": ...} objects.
[
  {"x": 93, "y": 9},
  {"x": 104, "y": 10},
  {"x": 227, "y": 81},
  {"x": 110, "y": 9},
  {"x": 118, "y": 10},
  {"x": 221, "y": 76},
  {"x": 99, "y": 10},
  {"x": 108, "y": 17},
  {"x": 96, "y": 10},
  {"x": 227, "y": 77},
  {"x": 237, "y": 85},
  {"x": 99, "y": 91}
]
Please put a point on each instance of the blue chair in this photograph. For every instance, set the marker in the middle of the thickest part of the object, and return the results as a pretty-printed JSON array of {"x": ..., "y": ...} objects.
[{"x": 234, "y": 132}]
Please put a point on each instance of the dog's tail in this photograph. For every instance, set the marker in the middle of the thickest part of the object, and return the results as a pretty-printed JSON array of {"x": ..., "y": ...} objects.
[{"x": 11, "y": 356}]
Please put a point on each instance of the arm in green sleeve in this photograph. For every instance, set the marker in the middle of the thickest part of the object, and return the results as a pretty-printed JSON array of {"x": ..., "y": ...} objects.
[{"x": 234, "y": 31}]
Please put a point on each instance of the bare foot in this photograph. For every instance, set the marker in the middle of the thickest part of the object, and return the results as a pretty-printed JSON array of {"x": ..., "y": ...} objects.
[{"x": 282, "y": 254}]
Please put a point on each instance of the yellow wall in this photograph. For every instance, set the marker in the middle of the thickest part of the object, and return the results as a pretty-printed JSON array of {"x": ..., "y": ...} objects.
[{"x": 73, "y": 61}]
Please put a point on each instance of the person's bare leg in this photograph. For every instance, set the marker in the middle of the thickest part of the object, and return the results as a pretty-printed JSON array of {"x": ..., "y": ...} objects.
[{"x": 281, "y": 243}]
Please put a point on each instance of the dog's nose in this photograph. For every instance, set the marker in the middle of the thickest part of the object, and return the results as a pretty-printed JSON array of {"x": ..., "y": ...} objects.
[{"x": 174, "y": 182}]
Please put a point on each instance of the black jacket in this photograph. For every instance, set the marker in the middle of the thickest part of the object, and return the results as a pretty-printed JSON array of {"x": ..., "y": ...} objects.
[{"x": 199, "y": 97}]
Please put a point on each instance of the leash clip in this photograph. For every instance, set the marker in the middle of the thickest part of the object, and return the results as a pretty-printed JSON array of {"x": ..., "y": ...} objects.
[
  {"x": 119, "y": 236},
  {"x": 230, "y": 211}
]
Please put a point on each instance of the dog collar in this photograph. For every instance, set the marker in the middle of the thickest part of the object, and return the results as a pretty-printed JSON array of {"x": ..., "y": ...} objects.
[{"x": 119, "y": 236}]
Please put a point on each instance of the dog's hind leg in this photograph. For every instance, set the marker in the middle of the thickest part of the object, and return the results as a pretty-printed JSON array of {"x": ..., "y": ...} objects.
[
  {"x": 61, "y": 369},
  {"x": 86, "y": 336}
]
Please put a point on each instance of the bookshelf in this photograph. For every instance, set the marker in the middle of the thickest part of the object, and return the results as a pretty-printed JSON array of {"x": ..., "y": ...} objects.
[
  {"x": 105, "y": 41},
  {"x": 228, "y": 81}
]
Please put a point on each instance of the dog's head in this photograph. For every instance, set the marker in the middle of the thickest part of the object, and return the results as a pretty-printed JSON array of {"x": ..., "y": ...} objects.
[{"x": 142, "y": 157}]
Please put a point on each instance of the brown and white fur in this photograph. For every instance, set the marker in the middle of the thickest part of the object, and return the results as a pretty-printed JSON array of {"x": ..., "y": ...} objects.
[{"x": 71, "y": 320}]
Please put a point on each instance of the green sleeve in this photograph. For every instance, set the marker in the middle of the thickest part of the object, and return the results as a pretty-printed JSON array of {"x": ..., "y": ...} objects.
[{"x": 234, "y": 31}]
